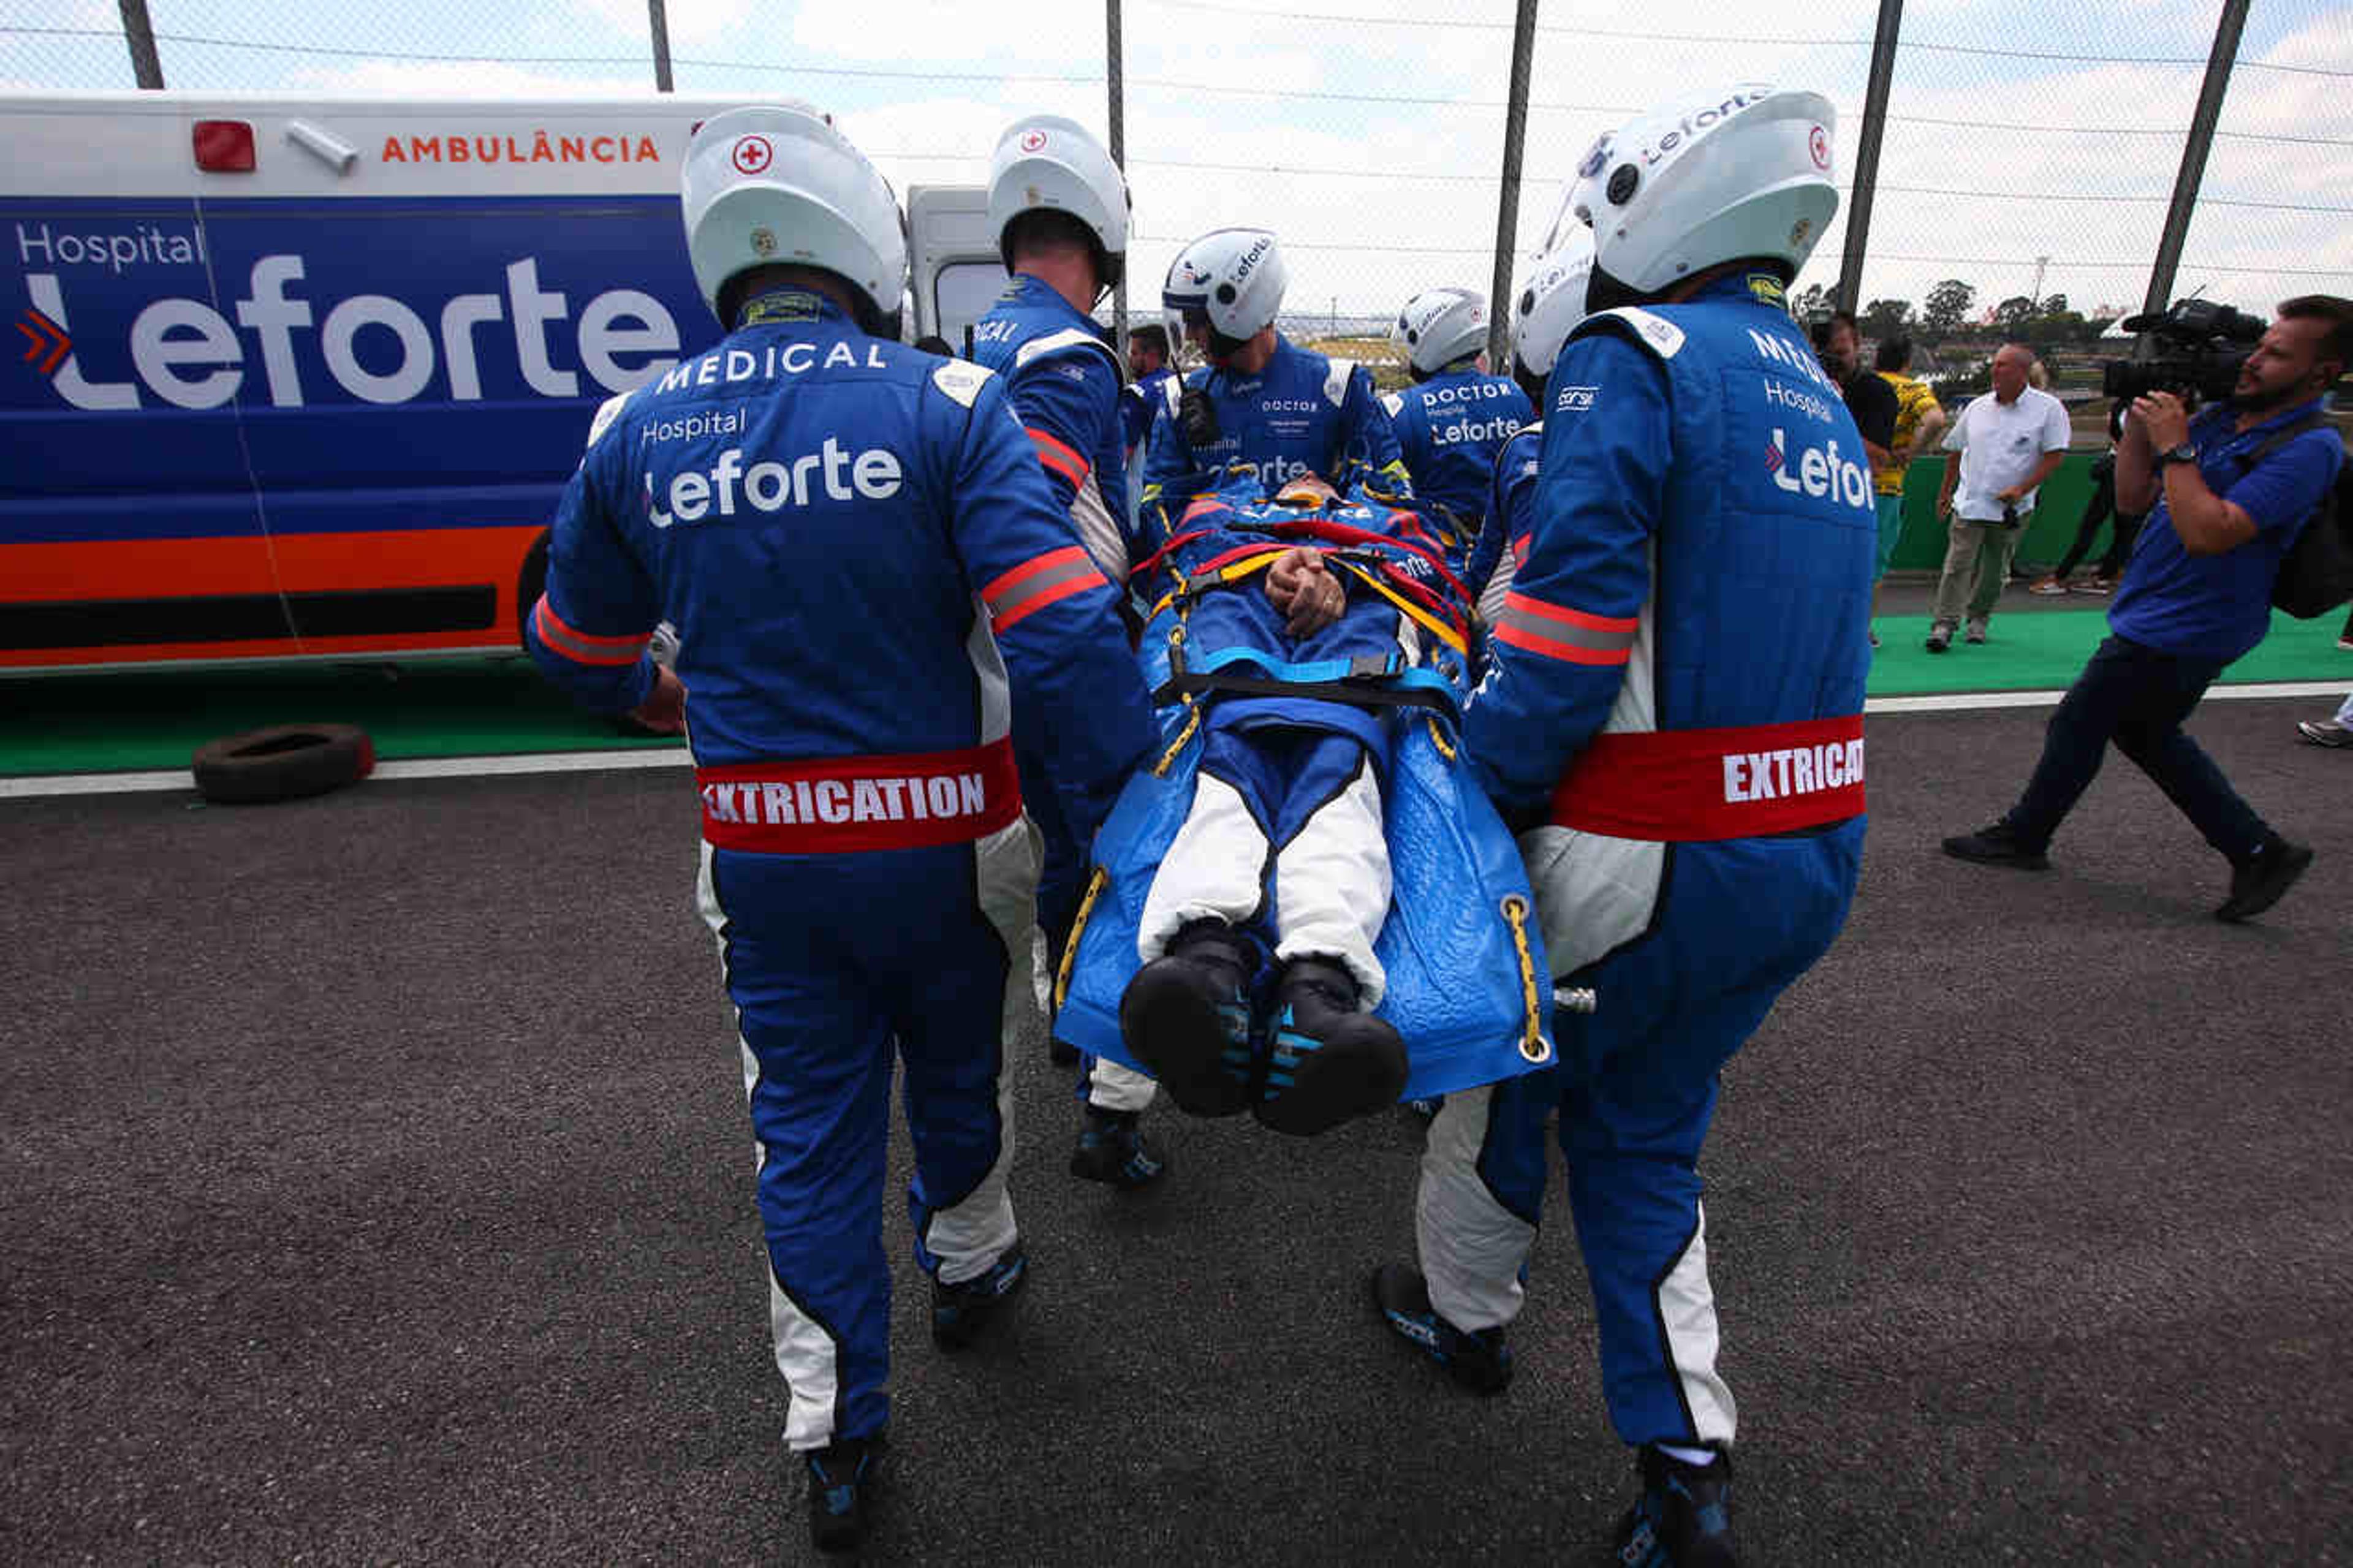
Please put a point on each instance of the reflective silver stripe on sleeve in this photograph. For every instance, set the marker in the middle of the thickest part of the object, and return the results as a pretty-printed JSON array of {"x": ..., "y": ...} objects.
[{"x": 1519, "y": 617}]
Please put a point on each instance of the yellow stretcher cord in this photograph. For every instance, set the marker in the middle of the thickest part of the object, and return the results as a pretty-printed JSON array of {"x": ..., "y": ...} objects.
[
  {"x": 1532, "y": 1046},
  {"x": 1095, "y": 885}
]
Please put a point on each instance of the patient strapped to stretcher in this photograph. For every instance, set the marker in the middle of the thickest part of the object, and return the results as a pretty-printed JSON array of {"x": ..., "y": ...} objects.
[{"x": 1240, "y": 940}]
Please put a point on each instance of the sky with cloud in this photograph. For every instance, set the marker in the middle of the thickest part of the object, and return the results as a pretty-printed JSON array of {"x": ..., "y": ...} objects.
[{"x": 2022, "y": 136}]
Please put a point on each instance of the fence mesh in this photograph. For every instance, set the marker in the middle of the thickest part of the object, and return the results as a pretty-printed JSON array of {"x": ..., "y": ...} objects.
[
  {"x": 2275, "y": 217},
  {"x": 2028, "y": 161}
]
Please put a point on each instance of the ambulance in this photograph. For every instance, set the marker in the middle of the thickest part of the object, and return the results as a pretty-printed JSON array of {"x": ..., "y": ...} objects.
[{"x": 303, "y": 380}]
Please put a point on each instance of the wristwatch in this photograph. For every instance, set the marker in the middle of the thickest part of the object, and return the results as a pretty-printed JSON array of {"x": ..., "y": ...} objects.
[{"x": 2185, "y": 453}]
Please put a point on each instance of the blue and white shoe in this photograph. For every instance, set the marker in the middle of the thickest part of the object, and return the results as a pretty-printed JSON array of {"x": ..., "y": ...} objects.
[
  {"x": 1683, "y": 1517},
  {"x": 1480, "y": 1362},
  {"x": 1326, "y": 1063},
  {"x": 1111, "y": 1150},
  {"x": 1186, "y": 1017},
  {"x": 959, "y": 1311},
  {"x": 840, "y": 1488}
]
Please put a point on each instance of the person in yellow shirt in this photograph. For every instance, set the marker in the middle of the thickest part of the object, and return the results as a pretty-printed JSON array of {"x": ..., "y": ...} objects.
[{"x": 1919, "y": 420}]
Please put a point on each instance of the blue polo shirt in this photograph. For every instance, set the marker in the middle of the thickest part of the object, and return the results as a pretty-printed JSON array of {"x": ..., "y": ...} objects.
[{"x": 2219, "y": 606}]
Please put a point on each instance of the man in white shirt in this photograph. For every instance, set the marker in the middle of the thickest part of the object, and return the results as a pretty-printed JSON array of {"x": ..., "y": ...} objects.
[{"x": 2008, "y": 441}]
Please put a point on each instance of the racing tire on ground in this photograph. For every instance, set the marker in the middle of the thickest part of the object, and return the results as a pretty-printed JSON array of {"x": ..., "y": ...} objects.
[
  {"x": 531, "y": 582},
  {"x": 283, "y": 761}
]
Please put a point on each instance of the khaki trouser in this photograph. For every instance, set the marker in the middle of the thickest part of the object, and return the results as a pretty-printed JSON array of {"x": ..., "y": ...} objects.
[{"x": 1976, "y": 564}]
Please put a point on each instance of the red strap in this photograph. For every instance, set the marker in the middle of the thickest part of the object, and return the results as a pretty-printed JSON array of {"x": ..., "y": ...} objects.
[
  {"x": 1341, "y": 533},
  {"x": 1683, "y": 786},
  {"x": 846, "y": 804}
]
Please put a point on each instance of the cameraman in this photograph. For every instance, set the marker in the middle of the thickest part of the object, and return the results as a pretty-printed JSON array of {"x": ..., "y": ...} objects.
[{"x": 2195, "y": 596}]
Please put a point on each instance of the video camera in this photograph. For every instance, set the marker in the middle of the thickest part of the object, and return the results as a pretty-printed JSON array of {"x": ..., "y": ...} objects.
[{"x": 2199, "y": 351}]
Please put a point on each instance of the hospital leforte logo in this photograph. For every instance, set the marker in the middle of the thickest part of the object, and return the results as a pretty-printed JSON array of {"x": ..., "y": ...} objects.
[{"x": 281, "y": 343}]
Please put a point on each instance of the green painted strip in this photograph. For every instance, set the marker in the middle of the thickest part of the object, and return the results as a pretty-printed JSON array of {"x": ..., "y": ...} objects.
[
  {"x": 2044, "y": 649},
  {"x": 83, "y": 723},
  {"x": 105, "y": 723}
]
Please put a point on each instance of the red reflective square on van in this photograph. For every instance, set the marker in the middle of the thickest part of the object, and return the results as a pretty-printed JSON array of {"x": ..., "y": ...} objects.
[{"x": 224, "y": 146}]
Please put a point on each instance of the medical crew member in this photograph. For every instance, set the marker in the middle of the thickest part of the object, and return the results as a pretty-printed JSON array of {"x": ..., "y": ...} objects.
[
  {"x": 1283, "y": 412},
  {"x": 1455, "y": 417},
  {"x": 1150, "y": 370},
  {"x": 1675, "y": 717},
  {"x": 1550, "y": 306},
  {"x": 874, "y": 589},
  {"x": 1060, "y": 207}
]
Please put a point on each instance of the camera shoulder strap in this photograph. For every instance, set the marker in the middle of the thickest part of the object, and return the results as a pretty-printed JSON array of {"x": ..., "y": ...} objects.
[{"x": 2282, "y": 437}]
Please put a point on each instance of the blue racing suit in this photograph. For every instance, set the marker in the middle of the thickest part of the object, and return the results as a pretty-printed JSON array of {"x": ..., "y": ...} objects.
[
  {"x": 1303, "y": 414},
  {"x": 1449, "y": 430},
  {"x": 874, "y": 591},
  {"x": 1138, "y": 403},
  {"x": 1673, "y": 717},
  {"x": 1284, "y": 837},
  {"x": 1502, "y": 541},
  {"x": 1064, "y": 382}
]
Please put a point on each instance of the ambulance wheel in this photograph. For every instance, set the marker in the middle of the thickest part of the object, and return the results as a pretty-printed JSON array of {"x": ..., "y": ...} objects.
[
  {"x": 530, "y": 583},
  {"x": 283, "y": 761}
]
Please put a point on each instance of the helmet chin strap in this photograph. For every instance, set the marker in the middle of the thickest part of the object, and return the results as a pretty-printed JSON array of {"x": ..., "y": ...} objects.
[
  {"x": 1223, "y": 348},
  {"x": 1603, "y": 292}
]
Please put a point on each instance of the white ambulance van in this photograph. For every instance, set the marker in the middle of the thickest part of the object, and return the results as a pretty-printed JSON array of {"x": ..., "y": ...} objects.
[{"x": 304, "y": 379}]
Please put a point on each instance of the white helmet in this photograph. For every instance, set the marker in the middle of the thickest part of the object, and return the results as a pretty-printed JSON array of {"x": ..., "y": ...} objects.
[
  {"x": 1046, "y": 161},
  {"x": 1439, "y": 326},
  {"x": 1743, "y": 173},
  {"x": 776, "y": 186},
  {"x": 1234, "y": 277},
  {"x": 1551, "y": 303}
]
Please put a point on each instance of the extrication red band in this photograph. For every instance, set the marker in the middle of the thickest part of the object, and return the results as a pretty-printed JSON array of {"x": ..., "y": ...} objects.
[
  {"x": 844, "y": 805},
  {"x": 1693, "y": 785}
]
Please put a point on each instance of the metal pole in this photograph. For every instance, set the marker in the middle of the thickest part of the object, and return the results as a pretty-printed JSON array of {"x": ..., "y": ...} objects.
[
  {"x": 2193, "y": 154},
  {"x": 1114, "y": 69},
  {"x": 1507, "y": 209},
  {"x": 657, "y": 18},
  {"x": 1866, "y": 154},
  {"x": 140, "y": 34}
]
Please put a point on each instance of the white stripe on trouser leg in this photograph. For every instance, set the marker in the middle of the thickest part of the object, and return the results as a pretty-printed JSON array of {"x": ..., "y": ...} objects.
[
  {"x": 1686, "y": 1307},
  {"x": 1111, "y": 1086},
  {"x": 1472, "y": 1246},
  {"x": 1332, "y": 884},
  {"x": 806, "y": 1357},
  {"x": 1211, "y": 872},
  {"x": 969, "y": 1237}
]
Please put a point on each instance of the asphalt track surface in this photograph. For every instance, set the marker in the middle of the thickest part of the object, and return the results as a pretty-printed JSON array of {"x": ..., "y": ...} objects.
[{"x": 377, "y": 1189}]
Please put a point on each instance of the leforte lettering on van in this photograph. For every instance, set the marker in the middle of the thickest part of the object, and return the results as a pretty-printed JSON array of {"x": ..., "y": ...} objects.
[{"x": 187, "y": 353}]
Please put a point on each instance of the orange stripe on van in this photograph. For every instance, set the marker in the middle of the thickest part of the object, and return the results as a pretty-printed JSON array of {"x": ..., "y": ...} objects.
[
  {"x": 134, "y": 569},
  {"x": 292, "y": 563}
]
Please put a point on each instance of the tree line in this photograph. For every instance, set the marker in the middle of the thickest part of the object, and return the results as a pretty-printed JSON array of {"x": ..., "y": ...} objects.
[{"x": 1950, "y": 310}]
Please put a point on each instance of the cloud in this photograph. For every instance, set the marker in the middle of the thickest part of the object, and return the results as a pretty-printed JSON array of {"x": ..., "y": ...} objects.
[
  {"x": 462, "y": 79},
  {"x": 692, "y": 24},
  {"x": 1374, "y": 146}
]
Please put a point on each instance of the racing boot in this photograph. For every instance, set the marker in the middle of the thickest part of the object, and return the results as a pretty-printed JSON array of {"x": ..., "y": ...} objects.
[
  {"x": 1480, "y": 1362},
  {"x": 1186, "y": 1017},
  {"x": 1329, "y": 1063},
  {"x": 840, "y": 1487},
  {"x": 959, "y": 1311},
  {"x": 1683, "y": 1517},
  {"x": 1111, "y": 1150}
]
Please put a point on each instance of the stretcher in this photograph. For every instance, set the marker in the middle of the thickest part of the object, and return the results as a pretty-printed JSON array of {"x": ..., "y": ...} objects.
[{"x": 1467, "y": 985}]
